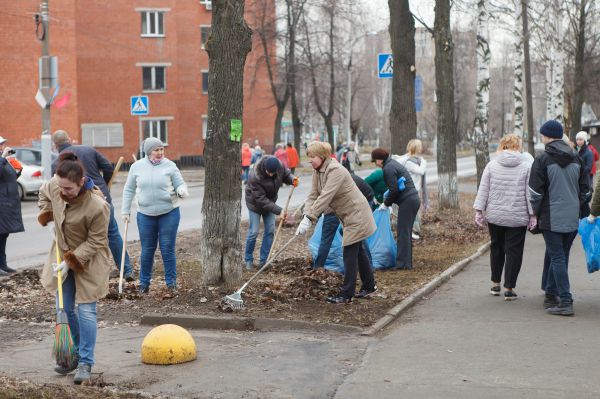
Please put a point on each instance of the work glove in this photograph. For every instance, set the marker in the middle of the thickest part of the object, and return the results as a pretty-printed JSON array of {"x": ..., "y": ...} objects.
[
  {"x": 533, "y": 222},
  {"x": 296, "y": 181},
  {"x": 479, "y": 218},
  {"x": 182, "y": 191},
  {"x": 382, "y": 207},
  {"x": 591, "y": 219},
  {"x": 62, "y": 266},
  {"x": 126, "y": 218},
  {"x": 6, "y": 152},
  {"x": 303, "y": 226}
]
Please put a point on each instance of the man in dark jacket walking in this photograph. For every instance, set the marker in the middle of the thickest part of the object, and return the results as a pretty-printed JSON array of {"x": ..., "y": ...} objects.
[
  {"x": 558, "y": 186},
  {"x": 10, "y": 208},
  {"x": 100, "y": 170},
  {"x": 263, "y": 185}
]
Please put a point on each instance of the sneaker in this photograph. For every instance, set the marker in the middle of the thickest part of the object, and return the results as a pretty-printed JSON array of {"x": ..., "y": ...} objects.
[
  {"x": 550, "y": 301},
  {"x": 114, "y": 274},
  {"x": 83, "y": 373},
  {"x": 495, "y": 290},
  {"x": 365, "y": 293},
  {"x": 144, "y": 290},
  {"x": 415, "y": 236},
  {"x": 7, "y": 269},
  {"x": 563, "y": 309},
  {"x": 249, "y": 265},
  {"x": 510, "y": 295},
  {"x": 339, "y": 299},
  {"x": 172, "y": 291},
  {"x": 3, "y": 273},
  {"x": 129, "y": 277}
]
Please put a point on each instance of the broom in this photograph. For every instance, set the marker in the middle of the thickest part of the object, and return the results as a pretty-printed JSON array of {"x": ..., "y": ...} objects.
[{"x": 64, "y": 348}]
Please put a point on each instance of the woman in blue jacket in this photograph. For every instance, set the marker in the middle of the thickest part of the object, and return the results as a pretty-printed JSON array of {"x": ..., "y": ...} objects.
[{"x": 158, "y": 185}]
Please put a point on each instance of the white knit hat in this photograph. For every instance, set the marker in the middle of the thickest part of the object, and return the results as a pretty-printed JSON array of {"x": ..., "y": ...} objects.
[{"x": 582, "y": 135}]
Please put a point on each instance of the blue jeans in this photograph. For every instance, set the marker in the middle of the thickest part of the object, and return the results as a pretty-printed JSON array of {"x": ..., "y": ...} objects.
[
  {"x": 330, "y": 227},
  {"x": 555, "y": 277},
  {"x": 115, "y": 243},
  {"x": 245, "y": 172},
  {"x": 267, "y": 241},
  {"x": 81, "y": 322},
  {"x": 156, "y": 230}
]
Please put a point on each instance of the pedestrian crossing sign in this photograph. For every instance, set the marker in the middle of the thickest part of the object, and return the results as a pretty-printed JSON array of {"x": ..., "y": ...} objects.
[
  {"x": 385, "y": 66},
  {"x": 139, "y": 105}
]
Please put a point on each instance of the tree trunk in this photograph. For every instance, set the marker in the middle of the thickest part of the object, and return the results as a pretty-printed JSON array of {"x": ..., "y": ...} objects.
[
  {"x": 446, "y": 146},
  {"x": 579, "y": 63},
  {"x": 528, "y": 87},
  {"x": 403, "y": 116},
  {"x": 293, "y": 16},
  {"x": 220, "y": 247},
  {"x": 329, "y": 126},
  {"x": 518, "y": 67},
  {"x": 482, "y": 154},
  {"x": 277, "y": 129}
]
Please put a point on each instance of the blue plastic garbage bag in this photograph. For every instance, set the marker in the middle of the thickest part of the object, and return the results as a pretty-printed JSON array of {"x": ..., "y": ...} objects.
[
  {"x": 335, "y": 259},
  {"x": 590, "y": 238},
  {"x": 382, "y": 244}
]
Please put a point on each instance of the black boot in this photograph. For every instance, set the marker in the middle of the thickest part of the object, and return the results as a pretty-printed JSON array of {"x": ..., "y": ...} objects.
[
  {"x": 7, "y": 269},
  {"x": 550, "y": 301}
]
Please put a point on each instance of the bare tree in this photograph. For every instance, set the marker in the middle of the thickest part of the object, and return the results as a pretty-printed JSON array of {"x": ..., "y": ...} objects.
[
  {"x": 228, "y": 46},
  {"x": 446, "y": 147},
  {"x": 482, "y": 156},
  {"x": 403, "y": 116},
  {"x": 578, "y": 24},
  {"x": 527, "y": 70},
  {"x": 518, "y": 67}
]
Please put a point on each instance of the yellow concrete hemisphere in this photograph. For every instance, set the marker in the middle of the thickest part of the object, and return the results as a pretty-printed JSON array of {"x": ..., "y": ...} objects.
[{"x": 168, "y": 344}]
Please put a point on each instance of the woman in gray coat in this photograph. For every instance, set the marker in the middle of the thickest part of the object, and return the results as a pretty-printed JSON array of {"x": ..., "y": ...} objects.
[
  {"x": 10, "y": 205},
  {"x": 503, "y": 202}
]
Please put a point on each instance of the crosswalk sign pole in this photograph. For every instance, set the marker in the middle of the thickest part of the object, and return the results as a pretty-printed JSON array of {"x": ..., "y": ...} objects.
[{"x": 140, "y": 137}]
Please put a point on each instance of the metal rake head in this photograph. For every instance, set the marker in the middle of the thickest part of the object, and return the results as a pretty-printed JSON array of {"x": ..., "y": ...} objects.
[{"x": 234, "y": 301}]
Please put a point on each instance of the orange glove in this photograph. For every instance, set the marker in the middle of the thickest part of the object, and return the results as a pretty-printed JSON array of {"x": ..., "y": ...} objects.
[{"x": 295, "y": 181}]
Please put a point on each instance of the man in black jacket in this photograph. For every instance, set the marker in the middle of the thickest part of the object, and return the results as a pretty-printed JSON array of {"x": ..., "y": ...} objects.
[
  {"x": 263, "y": 185},
  {"x": 558, "y": 186},
  {"x": 100, "y": 170}
]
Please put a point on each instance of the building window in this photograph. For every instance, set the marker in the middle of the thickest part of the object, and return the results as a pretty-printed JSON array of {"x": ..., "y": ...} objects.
[
  {"x": 204, "y": 82},
  {"x": 204, "y": 34},
  {"x": 204, "y": 126},
  {"x": 102, "y": 134},
  {"x": 153, "y": 23},
  {"x": 154, "y": 78},
  {"x": 156, "y": 128}
]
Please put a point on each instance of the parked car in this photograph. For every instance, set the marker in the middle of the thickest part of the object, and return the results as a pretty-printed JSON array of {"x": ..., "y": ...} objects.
[{"x": 31, "y": 179}]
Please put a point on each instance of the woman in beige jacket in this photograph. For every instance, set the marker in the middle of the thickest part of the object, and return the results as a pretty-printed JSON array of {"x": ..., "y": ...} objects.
[
  {"x": 80, "y": 215},
  {"x": 333, "y": 187}
]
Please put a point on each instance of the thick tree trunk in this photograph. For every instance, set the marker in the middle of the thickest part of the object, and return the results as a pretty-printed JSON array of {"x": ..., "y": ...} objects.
[
  {"x": 518, "y": 67},
  {"x": 444, "y": 80},
  {"x": 579, "y": 63},
  {"x": 277, "y": 128},
  {"x": 403, "y": 116},
  {"x": 527, "y": 70},
  {"x": 220, "y": 247},
  {"x": 482, "y": 154},
  {"x": 329, "y": 126}
]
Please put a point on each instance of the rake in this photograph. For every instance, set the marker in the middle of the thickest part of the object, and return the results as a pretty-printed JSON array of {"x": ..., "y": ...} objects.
[
  {"x": 123, "y": 252},
  {"x": 283, "y": 216},
  {"x": 235, "y": 300},
  {"x": 64, "y": 348}
]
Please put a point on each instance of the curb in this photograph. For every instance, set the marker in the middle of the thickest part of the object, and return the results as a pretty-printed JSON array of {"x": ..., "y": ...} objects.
[
  {"x": 244, "y": 323},
  {"x": 416, "y": 296}
]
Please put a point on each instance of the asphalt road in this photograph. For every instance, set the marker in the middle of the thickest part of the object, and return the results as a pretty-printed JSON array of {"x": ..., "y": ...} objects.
[{"x": 31, "y": 247}]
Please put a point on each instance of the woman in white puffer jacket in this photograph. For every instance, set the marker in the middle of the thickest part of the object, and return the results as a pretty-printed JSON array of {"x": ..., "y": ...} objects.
[{"x": 503, "y": 201}]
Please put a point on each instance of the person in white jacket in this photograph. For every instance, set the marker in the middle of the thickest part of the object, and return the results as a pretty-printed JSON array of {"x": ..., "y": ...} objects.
[
  {"x": 503, "y": 202},
  {"x": 417, "y": 167}
]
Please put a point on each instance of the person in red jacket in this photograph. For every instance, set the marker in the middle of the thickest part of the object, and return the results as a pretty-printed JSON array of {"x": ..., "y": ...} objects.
[
  {"x": 246, "y": 161},
  {"x": 293, "y": 158}
]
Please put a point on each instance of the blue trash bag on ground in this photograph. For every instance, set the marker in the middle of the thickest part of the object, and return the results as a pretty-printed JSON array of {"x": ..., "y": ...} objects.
[
  {"x": 590, "y": 238},
  {"x": 382, "y": 244},
  {"x": 335, "y": 259}
]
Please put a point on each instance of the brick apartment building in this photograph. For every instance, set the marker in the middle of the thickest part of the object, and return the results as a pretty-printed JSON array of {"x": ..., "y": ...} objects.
[{"x": 111, "y": 50}]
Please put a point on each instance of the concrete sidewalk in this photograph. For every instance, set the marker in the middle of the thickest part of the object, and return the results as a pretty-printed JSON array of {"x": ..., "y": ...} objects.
[{"x": 465, "y": 343}]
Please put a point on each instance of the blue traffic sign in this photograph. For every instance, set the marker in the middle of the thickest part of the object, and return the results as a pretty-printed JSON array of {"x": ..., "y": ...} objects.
[
  {"x": 385, "y": 66},
  {"x": 139, "y": 105}
]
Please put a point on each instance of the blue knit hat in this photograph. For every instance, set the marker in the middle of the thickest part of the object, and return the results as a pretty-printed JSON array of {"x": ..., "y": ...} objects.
[
  {"x": 552, "y": 129},
  {"x": 272, "y": 164}
]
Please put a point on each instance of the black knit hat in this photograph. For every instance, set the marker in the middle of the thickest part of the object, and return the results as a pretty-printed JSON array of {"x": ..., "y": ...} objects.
[
  {"x": 272, "y": 164},
  {"x": 552, "y": 129}
]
